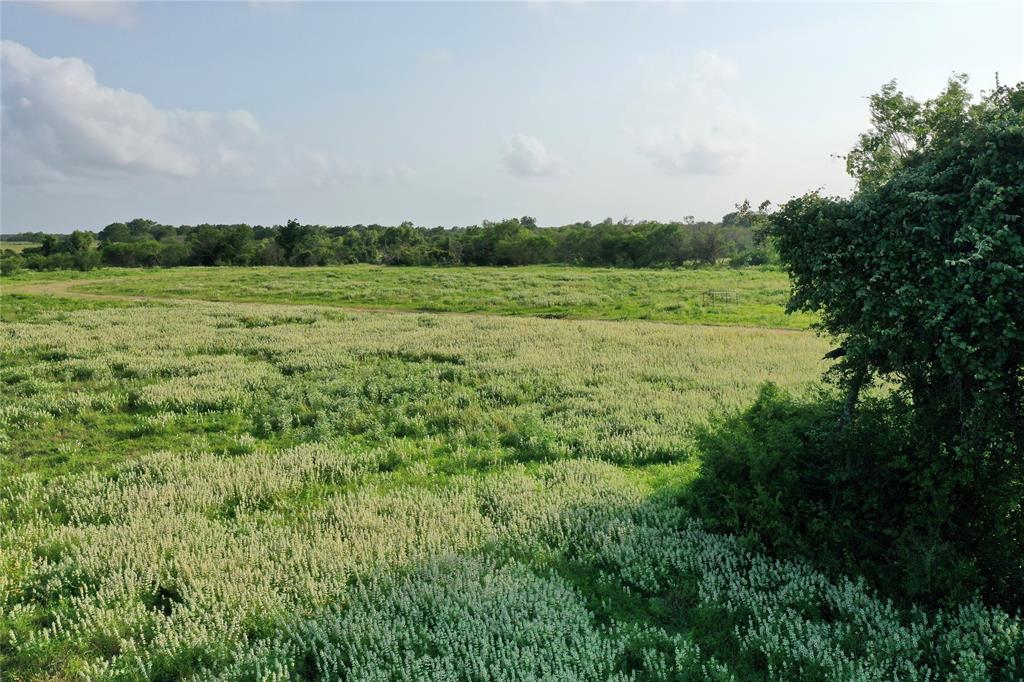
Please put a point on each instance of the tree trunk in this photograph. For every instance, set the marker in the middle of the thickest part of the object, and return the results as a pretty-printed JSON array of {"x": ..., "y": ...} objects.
[{"x": 852, "y": 395}]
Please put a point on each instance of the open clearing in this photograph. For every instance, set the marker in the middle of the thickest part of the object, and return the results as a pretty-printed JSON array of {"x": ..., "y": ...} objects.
[
  {"x": 679, "y": 296},
  {"x": 238, "y": 490},
  {"x": 16, "y": 247}
]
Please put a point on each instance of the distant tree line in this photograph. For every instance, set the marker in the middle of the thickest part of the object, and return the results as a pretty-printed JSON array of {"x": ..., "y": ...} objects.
[{"x": 517, "y": 241}]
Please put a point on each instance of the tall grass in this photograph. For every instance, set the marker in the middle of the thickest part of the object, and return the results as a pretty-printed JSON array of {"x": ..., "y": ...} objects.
[
  {"x": 555, "y": 291},
  {"x": 244, "y": 491}
]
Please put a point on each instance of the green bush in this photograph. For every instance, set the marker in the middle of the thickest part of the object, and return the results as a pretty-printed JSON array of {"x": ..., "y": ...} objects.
[
  {"x": 754, "y": 256},
  {"x": 854, "y": 499},
  {"x": 10, "y": 262},
  {"x": 919, "y": 277}
]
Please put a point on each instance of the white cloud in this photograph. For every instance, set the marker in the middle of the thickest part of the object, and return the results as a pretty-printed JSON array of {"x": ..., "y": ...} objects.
[
  {"x": 707, "y": 76},
  {"x": 711, "y": 74},
  {"x": 714, "y": 136},
  {"x": 60, "y": 124},
  {"x": 679, "y": 152},
  {"x": 107, "y": 12},
  {"x": 528, "y": 157},
  {"x": 59, "y": 121},
  {"x": 316, "y": 168}
]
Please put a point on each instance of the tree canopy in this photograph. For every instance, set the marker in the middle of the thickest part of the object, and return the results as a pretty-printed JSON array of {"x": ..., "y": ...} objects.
[
  {"x": 515, "y": 241},
  {"x": 920, "y": 274}
]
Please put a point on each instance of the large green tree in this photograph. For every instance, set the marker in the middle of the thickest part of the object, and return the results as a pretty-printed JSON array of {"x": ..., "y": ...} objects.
[{"x": 920, "y": 275}]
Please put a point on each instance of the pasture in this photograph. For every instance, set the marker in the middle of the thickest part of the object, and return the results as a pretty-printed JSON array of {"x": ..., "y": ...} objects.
[
  {"x": 546, "y": 291},
  {"x": 16, "y": 247},
  {"x": 264, "y": 482}
]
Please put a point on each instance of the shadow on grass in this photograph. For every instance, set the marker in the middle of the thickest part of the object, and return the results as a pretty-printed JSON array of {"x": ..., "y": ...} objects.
[{"x": 872, "y": 498}]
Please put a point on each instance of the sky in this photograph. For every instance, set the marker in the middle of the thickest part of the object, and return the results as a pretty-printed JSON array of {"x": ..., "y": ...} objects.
[{"x": 453, "y": 113}]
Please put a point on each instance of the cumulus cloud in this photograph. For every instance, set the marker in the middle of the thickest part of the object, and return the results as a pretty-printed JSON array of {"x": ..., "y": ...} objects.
[
  {"x": 107, "y": 12},
  {"x": 711, "y": 74},
  {"x": 528, "y": 157},
  {"x": 320, "y": 169},
  {"x": 715, "y": 135},
  {"x": 680, "y": 152},
  {"x": 707, "y": 76},
  {"x": 61, "y": 124}
]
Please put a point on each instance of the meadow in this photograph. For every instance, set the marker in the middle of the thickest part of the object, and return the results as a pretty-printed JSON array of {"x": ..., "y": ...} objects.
[
  {"x": 670, "y": 295},
  {"x": 267, "y": 489},
  {"x": 17, "y": 247}
]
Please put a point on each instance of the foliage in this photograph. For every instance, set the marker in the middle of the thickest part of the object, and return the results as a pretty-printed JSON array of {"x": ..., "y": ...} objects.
[
  {"x": 242, "y": 491},
  {"x": 920, "y": 274},
  {"x": 547, "y": 291},
  {"x": 10, "y": 262},
  {"x": 849, "y": 498},
  {"x": 91, "y": 382},
  {"x": 517, "y": 241},
  {"x": 76, "y": 251},
  {"x": 903, "y": 127}
]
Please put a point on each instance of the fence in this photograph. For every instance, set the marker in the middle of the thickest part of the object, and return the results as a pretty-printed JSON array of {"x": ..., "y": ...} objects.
[{"x": 713, "y": 297}]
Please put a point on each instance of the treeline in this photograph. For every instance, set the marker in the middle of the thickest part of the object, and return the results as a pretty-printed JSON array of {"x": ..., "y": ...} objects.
[{"x": 517, "y": 241}]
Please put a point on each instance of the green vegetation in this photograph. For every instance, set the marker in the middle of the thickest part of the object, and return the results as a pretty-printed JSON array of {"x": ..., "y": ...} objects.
[
  {"x": 18, "y": 247},
  {"x": 245, "y": 491},
  {"x": 785, "y": 474},
  {"x": 627, "y": 392},
  {"x": 278, "y": 474},
  {"x": 756, "y": 296},
  {"x": 516, "y": 241},
  {"x": 920, "y": 277},
  {"x": 16, "y": 307}
]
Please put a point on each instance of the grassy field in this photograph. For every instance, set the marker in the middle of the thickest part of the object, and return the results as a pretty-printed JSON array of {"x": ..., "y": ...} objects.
[
  {"x": 16, "y": 247},
  {"x": 552, "y": 291},
  {"x": 247, "y": 491}
]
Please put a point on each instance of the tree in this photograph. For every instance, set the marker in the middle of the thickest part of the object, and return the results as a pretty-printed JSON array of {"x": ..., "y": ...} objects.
[
  {"x": 81, "y": 246},
  {"x": 742, "y": 216},
  {"x": 115, "y": 232},
  {"x": 10, "y": 262},
  {"x": 290, "y": 237},
  {"x": 222, "y": 245},
  {"x": 902, "y": 126},
  {"x": 49, "y": 245},
  {"x": 141, "y": 228},
  {"x": 172, "y": 252},
  {"x": 920, "y": 275},
  {"x": 707, "y": 245}
]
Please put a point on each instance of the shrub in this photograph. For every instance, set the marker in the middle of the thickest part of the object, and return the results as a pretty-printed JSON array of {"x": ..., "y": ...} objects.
[
  {"x": 10, "y": 262},
  {"x": 920, "y": 277},
  {"x": 852, "y": 499},
  {"x": 754, "y": 256}
]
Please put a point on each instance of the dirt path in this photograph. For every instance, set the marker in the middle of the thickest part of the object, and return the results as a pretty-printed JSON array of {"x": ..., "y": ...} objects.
[{"x": 68, "y": 289}]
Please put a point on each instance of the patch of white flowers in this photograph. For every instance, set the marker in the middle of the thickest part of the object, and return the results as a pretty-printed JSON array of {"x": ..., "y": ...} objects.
[
  {"x": 386, "y": 557},
  {"x": 207, "y": 566},
  {"x": 620, "y": 391}
]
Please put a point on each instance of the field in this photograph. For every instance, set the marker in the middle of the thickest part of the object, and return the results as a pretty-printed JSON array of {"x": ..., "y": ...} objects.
[
  {"x": 16, "y": 247},
  {"x": 264, "y": 488},
  {"x": 546, "y": 291}
]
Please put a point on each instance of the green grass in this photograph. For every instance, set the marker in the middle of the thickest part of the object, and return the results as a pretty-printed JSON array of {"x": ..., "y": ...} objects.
[
  {"x": 523, "y": 387},
  {"x": 23, "y": 307},
  {"x": 202, "y": 490},
  {"x": 546, "y": 291},
  {"x": 17, "y": 247}
]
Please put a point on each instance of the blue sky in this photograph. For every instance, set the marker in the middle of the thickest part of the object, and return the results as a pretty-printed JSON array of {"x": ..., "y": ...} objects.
[{"x": 451, "y": 113}]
